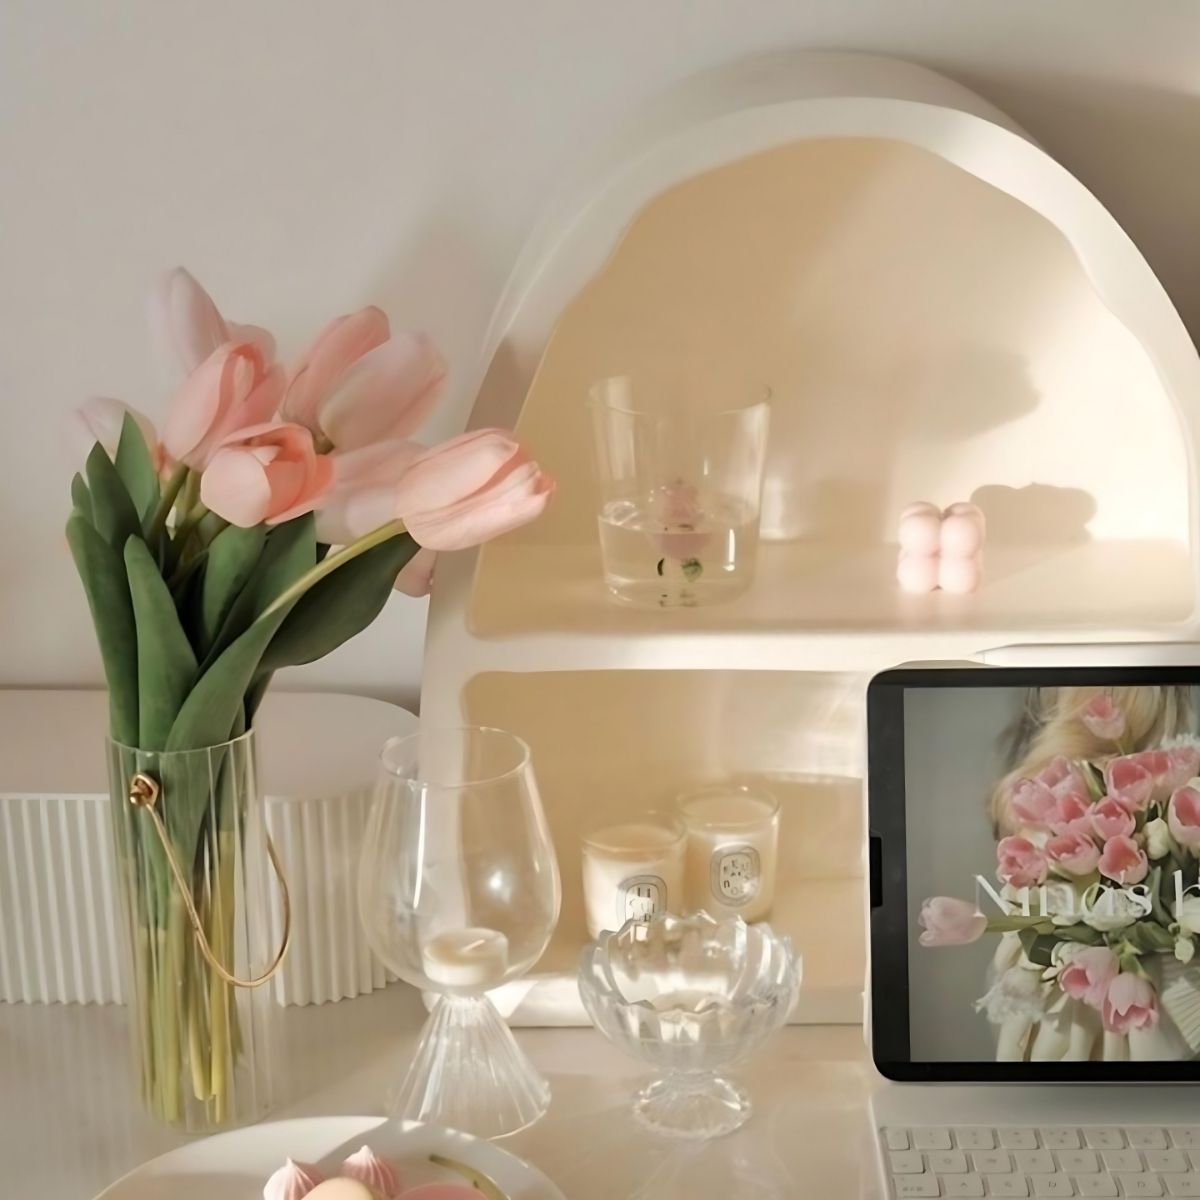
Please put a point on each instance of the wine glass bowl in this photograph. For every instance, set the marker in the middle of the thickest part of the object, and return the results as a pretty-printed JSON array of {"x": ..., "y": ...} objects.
[
  {"x": 691, "y": 996},
  {"x": 459, "y": 892}
]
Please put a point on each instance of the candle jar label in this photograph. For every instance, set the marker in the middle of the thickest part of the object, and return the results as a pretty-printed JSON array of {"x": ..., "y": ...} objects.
[
  {"x": 641, "y": 898},
  {"x": 735, "y": 875}
]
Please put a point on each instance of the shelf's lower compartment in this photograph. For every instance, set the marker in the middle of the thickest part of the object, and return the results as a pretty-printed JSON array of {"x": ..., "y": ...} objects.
[{"x": 607, "y": 744}]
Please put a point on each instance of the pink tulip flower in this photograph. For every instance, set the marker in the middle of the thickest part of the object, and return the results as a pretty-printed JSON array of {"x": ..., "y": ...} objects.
[
  {"x": 1183, "y": 817},
  {"x": 362, "y": 494},
  {"x": 188, "y": 326},
  {"x": 1124, "y": 861},
  {"x": 950, "y": 922},
  {"x": 357, "y": 386},
  {"x": 1088, "y": 973},
  {"x": 1068, "y": 809},
  {"x": 234, "y": 388},
  {"x": 1111, "y": 819},
  {"x": 1130, "y": 1003},
  {"x": 1020, "y": 862},
  {"x": 471, "y": 489},
  {"x": 1183, "y": 764},
  {"x": 1130, "y": 781},
  {"x": 1032, "y": 803},
  {"x": 1073, "y": 852},
  {"x": 99, "y": 419},
  {"x": 416, "y": 579},
  {"x": 1104, "y": 717},
  {"x": 1061, "y": 776},
  {"x": 265, "y": 473}
]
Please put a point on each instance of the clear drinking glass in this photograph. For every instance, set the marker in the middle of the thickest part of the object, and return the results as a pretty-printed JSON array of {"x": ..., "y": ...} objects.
[
  {"x": 680, "y": 493},
  {"x": 459, "y": 892}
]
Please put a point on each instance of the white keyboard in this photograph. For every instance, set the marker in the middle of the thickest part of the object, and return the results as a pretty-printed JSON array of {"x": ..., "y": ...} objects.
[{"x": 1016, "y": 1162}]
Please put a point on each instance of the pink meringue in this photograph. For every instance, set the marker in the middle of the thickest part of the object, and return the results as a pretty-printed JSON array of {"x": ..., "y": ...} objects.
[
  {"x": 377, "y": 1173},
  {"x": 293, "y": 1181}
]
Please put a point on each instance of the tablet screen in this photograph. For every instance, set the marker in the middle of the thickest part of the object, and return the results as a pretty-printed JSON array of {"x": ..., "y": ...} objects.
[{"x": 1040, "y": 865}]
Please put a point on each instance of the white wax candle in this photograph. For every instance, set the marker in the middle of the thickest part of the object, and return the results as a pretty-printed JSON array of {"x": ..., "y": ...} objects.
[
  {"x": 473, "y": 957},
  {"x": 632, "y": 871},
  {"x": 732, "y": 848}
]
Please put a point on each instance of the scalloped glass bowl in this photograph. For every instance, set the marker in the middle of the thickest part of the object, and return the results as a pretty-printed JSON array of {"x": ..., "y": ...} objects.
[{"x": 692, "y": 996}]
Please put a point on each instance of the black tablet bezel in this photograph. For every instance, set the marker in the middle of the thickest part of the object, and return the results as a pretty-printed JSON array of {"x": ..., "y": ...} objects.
[{"x": 891, "y": 921}]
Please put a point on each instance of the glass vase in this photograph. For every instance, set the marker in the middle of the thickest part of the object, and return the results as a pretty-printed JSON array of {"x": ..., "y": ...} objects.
[{"x": 193, "y": 862}]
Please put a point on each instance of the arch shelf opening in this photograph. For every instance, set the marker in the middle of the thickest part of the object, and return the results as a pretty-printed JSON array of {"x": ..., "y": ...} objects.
[{"x": 926, "y": 336}]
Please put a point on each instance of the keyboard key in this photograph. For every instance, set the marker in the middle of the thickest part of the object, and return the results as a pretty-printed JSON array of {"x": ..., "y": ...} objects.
[
  {"x": 1187, "y": 1138},
  {"x": 991, "y": 1162},
  {"x": 1182, "y": 1185},
  {"x": 1018, "y": 1139},
  {"x": 897, "y": 1139},
  {"x": 915, "y": 1185},
  {"x": 1052, "y": 1185},
  {"x": 931, "y": 1139},
  {"x": 974, "y": 1139},
  {"x": 1060, "y": 1139},
  {"x": 1035, "y": 1162},
  {"x": 1166, "y": 1161},
  {"x": 963, "y": 1185},
  {"x": 1146, "y": 1137},
  {"x": 1096, "y": 1185},
  {"x": 1140, "y": 1185},
  {"x": 1007, "y": 1185},
  {"x": 1078, "y": 1162},
  {"x": 1122, "y": 1160},
  {"x": 907, "y": 1162},
  {"x": 1099, "y": 1137},
  {"x": 946, "y": 1162}
]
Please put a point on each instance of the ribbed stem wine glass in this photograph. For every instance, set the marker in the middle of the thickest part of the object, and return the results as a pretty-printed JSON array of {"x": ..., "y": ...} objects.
[{"x": 459, "y": 892}]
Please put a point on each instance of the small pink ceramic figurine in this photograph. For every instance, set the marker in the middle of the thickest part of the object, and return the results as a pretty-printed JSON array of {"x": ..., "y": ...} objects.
[{"x": 940, "y": 549}]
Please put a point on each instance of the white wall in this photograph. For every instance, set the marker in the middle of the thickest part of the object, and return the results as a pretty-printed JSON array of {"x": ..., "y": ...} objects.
[{"x": 304, "y": 158}]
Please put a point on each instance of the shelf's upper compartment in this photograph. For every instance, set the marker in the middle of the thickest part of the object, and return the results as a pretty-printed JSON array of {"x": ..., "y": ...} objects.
[{"x": 942, "y": 311}]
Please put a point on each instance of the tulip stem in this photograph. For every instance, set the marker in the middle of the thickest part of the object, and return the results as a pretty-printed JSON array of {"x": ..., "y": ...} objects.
[
  {"x": 171, "y": 489},
  {"x": 328, "y": 565},
  {"x": 187, "y": 526}
]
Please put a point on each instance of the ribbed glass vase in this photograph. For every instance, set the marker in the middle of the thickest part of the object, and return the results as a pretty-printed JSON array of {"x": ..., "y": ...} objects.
[{"x": 193, "y": 866}]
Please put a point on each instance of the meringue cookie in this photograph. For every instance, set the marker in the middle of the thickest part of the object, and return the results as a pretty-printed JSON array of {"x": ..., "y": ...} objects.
[
  {"x": 377, "y": 1173},
  {"x": 293, "y": 1181},
  {"x": 342, "y": 1189}
]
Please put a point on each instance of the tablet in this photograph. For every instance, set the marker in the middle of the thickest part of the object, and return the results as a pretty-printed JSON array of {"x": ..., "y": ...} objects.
[{"x": 1035, "y": 873}]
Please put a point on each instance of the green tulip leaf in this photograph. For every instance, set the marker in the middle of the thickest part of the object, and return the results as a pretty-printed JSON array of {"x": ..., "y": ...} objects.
[
  {"x": 107, "y": 589},
  {"x": 340, "y": 606},
  {"x": 214, "y": 708},
  {"x": 290, "y": 551},
  {"x": 231, "y": 559},
  {"x": 113, "y": 511},
  {"x": 81, "y": 498},
  {"x": 166, "y": 661},
  {"x": 135, "y": 466}
]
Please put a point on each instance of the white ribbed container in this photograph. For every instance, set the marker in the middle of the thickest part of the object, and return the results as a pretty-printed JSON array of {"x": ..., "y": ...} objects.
[{"x": 60, "y": 934}]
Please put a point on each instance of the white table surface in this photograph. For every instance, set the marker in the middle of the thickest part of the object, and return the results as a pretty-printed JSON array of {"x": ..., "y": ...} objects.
[{"x": 70, "y": 1123}]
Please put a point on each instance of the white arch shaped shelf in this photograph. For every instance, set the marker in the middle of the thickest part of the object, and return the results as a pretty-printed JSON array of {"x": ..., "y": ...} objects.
[{"x": 1040, "y": 367}]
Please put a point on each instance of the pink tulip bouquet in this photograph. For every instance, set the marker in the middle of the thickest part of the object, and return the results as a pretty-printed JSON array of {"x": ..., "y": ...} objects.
[
  {"x": 1100, "y": 886},
  {"x": 262, "y": 527}
]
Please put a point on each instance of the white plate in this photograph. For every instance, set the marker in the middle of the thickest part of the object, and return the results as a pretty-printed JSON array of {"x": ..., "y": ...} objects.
[{"x": 235, "y": 1165}]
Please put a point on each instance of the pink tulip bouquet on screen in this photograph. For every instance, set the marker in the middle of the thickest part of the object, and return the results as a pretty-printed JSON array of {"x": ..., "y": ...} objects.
[
  {"x": 1096, "y": 893},
  {"x": 261, "y": 524}
]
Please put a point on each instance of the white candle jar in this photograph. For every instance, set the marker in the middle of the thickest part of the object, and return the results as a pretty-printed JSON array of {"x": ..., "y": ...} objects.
[
  {"x": 732, "y": 850},
  {"x": 633, "y": 871}
]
